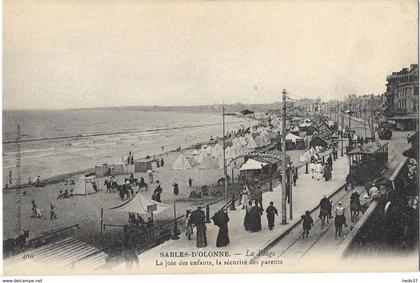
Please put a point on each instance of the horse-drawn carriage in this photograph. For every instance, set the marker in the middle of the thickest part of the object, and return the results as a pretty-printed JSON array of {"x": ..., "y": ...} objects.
[{"x": 367, "y": 162}]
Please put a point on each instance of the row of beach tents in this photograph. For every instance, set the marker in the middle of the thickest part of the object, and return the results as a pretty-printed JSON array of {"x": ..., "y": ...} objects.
[{"x": 211, "y": 157}]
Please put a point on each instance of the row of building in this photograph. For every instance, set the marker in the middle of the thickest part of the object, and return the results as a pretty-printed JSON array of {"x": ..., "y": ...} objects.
[{"x": 398, "y": 105}]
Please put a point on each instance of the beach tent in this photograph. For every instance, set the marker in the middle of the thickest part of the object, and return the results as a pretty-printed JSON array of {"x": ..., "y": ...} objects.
[
  {"x": 193, "y": 161},
  {"x": 259, "y": 140},
  {"x": 217, "y": 150},
  {"x": 84, "y": 186},
  {"x": 142, "y": 205},
  {"x": 181, "y": 163},
  {"x": 200, "y": 156},
  {"x": 220, "y": 163},
  {"x": 209, "y": 162},
  {"x": 228, "y": 153},
  {"x": 293, "y": 137},
  {"x": 252, "y": 164},
  {"x": 208, "y": 150},
  {"x": 251, "y": 144}
]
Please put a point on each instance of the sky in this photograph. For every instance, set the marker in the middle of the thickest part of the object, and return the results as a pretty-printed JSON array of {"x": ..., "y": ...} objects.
[{"x": 79, "y": 54}]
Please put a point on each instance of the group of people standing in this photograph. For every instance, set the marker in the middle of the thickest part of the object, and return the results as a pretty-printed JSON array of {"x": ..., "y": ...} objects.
[
  {"x": 197, "y": 219},
  {"x": 319, "y": 169}
]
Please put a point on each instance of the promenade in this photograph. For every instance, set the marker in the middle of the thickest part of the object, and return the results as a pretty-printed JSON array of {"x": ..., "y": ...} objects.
[{"x": 243, "y": 244}]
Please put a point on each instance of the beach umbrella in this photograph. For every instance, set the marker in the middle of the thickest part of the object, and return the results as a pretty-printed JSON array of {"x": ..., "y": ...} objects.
[{"x": 142, "y": 205}]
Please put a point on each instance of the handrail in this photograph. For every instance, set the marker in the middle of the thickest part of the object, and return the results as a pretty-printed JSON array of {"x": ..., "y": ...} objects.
[
  {"x": 346, "y": 245},
  {"x": 53, "y": 233}
]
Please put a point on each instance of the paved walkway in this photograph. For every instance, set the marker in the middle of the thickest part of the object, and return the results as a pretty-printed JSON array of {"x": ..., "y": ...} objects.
[{"x": 244, "y": 244}]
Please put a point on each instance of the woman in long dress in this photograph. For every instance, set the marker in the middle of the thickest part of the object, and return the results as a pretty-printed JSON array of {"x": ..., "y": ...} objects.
[
  {"x": 247, "y": 219},
  {"x": 221, "y": 219}
]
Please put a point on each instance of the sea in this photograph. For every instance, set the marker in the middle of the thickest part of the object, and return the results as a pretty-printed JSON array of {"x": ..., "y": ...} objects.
[{"x": 56, "y": 142}]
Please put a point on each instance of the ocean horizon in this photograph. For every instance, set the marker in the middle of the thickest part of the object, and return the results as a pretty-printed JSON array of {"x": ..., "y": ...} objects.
[{"x": 66, "y": 141}]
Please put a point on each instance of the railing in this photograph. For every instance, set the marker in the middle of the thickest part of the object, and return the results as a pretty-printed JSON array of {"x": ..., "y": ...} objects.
[{"x": 52, "y": 236}]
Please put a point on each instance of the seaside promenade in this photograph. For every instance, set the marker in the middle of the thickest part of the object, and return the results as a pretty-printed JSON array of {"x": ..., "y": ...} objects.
[{"x": 244, "y": 244}]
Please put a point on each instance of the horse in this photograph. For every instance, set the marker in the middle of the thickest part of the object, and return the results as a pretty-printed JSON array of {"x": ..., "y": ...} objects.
[
  {"x": 143, "y": 186},
  {"x": 323, "y": 214},
  {"x": 11, "y": 246},
  {"x": 355, "y": 208}
]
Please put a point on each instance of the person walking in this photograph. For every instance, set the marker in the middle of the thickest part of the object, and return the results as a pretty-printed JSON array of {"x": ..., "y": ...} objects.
[
  {"x": 312, "y": 167},
  {"x": 52, "y": 213},
  {"x": 176, "y": 189},
  {"x": 271, "y": 213},
  {"x": 334, "y": 153},
  {"x": 349, "y": 181},
  {"x": 150, "y": 173},
  {"x": 295, "y": 176},
  {"x": 255, "y": 218},
  {"x": 327, "y": 172},
  {"x": 318, "y": 170},
  {"x": 190, "y": 182},
  {"x": 307, "y": 224},
  {"x": 188, "y": 224},
  {"x": 258, "y": 197},
  {"x": 330, "y": 162},
  {"x": 247, "y": 218},
  {"x": 34, "y": 209},
  {"x": 245, "y": 197},
  {"x": 340, "y": 219},
  {"x": 221, "y": 219},
  {"x": 325, "y": 203},
  {"x": 198, "y": 218}
]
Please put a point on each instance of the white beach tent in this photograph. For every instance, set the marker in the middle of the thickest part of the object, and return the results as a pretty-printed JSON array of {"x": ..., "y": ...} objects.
[
  {"x": 139, "y": 204},
  {"x": 228, "y": 153},
  {"x": 251, "y": 144},
  {"x": 217, "y": 150},
  {"x": 259, "y": 140},
  {"x": 84, "y": 186},
  {"x": 181, "y": 163},
  {"x": 220, "y": 163},
  {"x": 200, "y": 156},
  {"x": 293, "y": 137},
  {"x": 252, "y": 164},
  {"x": 209, "y": 162}
]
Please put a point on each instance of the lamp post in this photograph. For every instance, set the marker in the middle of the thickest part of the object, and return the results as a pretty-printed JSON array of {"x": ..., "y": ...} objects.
[
  {"x": 283, "y": 167},
  {"x": 224, "y": 153}
]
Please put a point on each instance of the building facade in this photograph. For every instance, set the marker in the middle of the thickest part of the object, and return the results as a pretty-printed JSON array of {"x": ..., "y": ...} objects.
[{"x": 402, "y": 98}]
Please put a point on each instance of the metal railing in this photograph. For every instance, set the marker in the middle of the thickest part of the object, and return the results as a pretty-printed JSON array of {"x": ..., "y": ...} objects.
[{"x": 52, "y": 236}]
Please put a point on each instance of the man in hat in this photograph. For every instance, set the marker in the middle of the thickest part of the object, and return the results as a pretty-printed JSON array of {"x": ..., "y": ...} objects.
[
  {"x": 325, "y": 204},
  {"x": 198, "y": 218},
  {"x": 271, "y": 213}
]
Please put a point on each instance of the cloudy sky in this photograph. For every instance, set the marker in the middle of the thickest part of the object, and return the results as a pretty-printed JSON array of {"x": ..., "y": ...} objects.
[{"x": 71, "y": 54}]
